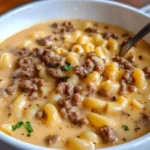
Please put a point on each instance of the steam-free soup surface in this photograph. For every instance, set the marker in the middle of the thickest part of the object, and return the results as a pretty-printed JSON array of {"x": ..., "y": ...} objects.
[{"x": 63, "y": 85}]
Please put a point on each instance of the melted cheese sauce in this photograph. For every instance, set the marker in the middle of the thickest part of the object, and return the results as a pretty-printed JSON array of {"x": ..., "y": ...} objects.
[{"x": 129, "y": 116}]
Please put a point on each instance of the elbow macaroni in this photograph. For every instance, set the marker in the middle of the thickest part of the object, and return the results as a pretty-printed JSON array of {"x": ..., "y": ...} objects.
[
  {"x": 120, "y": 104},
  {"x": 77, "y": 49},
  {"x": 18, "y": 106},
  {"x": 111, "y": 70},
  {"x": 94, "y": 78},
  {"x": 80, "y": 144},
  {"x": 5, "y": 61},
  {"x": 94, "y": 103},
  {"x": 72, "y": 58},
  {"x": 53, "y": 117},
  {"x": 83, "y": 39},
  {"x": 7, "y": 128},
  {"x": 61, "y": 51},
  {"x": 139, "y": 78},
  {"x": 98, "y": 121},
  {"x": 88, "y": 47},
  {"x": 137, "y": 104},
  {"x": 30, "y": 112},
  {"x": 89, "y": 136},
  {"x": 112, "y": 45},
  {"x": 109, "y": 86}
]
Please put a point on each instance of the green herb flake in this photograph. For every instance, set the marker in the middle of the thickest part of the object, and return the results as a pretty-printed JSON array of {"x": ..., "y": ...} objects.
[
  {"x": 28, "y": 134},
  {"x": 28, "y": 127},
  {"x": 65, "y": 78},
  {"x": 67, "y": 67},
  {"x": 18, "y": 125},
  {"x": 125, "y": 127}
]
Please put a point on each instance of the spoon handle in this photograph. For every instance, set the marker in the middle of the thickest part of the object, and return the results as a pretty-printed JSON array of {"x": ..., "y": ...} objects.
[{"x": 135, "y": 39}]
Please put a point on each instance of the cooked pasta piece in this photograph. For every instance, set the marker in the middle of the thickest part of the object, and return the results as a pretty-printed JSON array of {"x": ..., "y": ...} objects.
[
  {"x": 106, "y": 52},
  {"x": 98, "y": 121},
  {"x": 94, "y": 78},
  {"x": 139, "y": 74},
  {"x": 111, "y": 70},
  {"x": 52, "y": 116},
  {"x": 113, "y": 46},
  {"x": 7, "y": 128},
  {"x": 80, "y": 144},
  {"x": 53, "y": 97},
  {"x": 98, "y": 51},
  {"x": 18, "y": 105},
  {"x": 109, "y": 88},
  {"x": 77, "y": 49},
  {"x": 5, "y": 61},
  {"x": 61, "y": 51},
  {"x": 137, "y": 104},
  {"x": 89, "y": 136},
  {"x": 73, "y": 80},
  {"x": 88, "y": 47},
  {"x": 97, "y": 39},
  {"x": 43, "y": 75},
  {"x": 72, "y": 58},
  {"x": 30, "y": 112},
  {"x": 83, "y": 39},
  {"x": 76, "y": 34},
  {"x": 46, "y": 89},
  {"x": 94, "y": 103},
  {"x": 120, "y": 103},
  {"x": 68, "y": 38}
]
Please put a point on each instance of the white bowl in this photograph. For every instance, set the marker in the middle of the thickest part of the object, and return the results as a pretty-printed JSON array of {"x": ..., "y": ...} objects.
[{"x": 104, "y": 11}]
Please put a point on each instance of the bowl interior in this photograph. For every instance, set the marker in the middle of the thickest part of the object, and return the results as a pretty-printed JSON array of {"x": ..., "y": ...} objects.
[
  {"x": 41, "y": 11},
  {"x": 104, "y": 11}
]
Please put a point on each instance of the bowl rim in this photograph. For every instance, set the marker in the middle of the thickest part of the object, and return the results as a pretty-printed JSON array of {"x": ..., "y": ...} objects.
[
  {"x": 21, "y": 144},
  {"x": 25, "y": 6}
]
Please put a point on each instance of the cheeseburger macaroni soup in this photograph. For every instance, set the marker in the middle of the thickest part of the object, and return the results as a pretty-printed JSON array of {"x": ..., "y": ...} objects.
[{"x": 63, "y": 85}]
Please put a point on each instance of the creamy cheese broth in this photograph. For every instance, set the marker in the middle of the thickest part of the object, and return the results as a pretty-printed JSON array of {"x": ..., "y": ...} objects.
[{"x": 130, "y": 115}]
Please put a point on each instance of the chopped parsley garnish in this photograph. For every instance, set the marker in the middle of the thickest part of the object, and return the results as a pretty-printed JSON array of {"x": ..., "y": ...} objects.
[
  {"x": 65, "y": 78},
  {"x": 28, "y": 134},
  {"x": 28, "y": 127},
  {"x": 18, "y": 125},
  {"x": 125, "y": 127},
  {"x": 67, "y": 67}
]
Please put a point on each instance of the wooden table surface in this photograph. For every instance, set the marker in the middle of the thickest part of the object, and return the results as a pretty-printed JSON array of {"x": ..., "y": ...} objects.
[{"x": 6, "y": 5}]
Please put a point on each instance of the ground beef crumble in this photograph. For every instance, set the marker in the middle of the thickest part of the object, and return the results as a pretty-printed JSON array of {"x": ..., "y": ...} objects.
[
  {"x": 45, "y": 41},
  {"x": 123, "y": 62},
  {"x": 32, "y": 85},
  {"x": 64, "y": 88},
  {"x": 108, "y": 35},
  {"x": 50, "y": 58},
  {"x": 55, "y": 72},
  {"x": 51, "y": 139},
  {"x": 40, "y": 114},
  {"x": 107, "y": 134},
  {"x": 91, "y": 88},
  {"x": 147, "y": 71},
  {"x": 10, "y": 90},
  {"x": 84, "y": 69}
]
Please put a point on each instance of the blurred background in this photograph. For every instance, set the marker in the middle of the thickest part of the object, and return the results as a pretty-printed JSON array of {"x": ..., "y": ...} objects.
[{"x": 6, "y": 5}]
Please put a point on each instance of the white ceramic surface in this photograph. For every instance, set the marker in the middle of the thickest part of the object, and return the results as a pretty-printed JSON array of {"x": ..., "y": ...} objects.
[
  {"x": 146, "y": 9},
  {"x": 105, "y": 11}
]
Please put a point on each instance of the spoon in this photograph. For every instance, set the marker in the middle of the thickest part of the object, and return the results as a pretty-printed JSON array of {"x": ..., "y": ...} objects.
[{"x": 145, "y": 30}]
